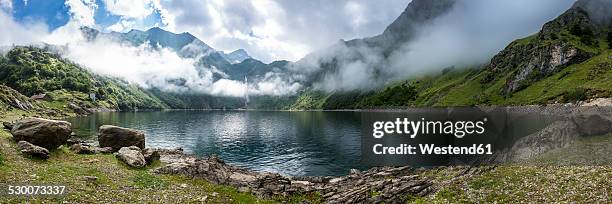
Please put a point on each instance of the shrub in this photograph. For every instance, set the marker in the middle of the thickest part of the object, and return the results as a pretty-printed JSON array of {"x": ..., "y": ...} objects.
[{"x": 577, "y": 94}]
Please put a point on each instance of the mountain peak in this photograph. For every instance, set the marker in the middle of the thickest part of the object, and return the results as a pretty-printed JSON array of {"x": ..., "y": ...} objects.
[
  {"x": 237, "y": 56},
  {"x": 156, "y": 29},
  {"x": 417, "y": 12}
]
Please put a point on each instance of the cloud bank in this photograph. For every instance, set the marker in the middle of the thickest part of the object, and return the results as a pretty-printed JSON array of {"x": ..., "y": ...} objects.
[{"x": 274, "y": 30}]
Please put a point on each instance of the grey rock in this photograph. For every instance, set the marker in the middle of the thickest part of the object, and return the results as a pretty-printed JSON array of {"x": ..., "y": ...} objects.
[
  {"x": 150, "y": 155},
  {"x": 82, "y": 149},
  {"x": 118, "y": 137},
  {"x": 32, "y": 150},
  {"x": 132, "y": 156},
  {"x": 76, "y": 140},
  {"x": 46, "y": 133},
  {"x": 104, "y": 150},
  {"x": 354, "y": 171},
  {"x": 91, "y": 178},
  {"x": 20, "y": 105}
]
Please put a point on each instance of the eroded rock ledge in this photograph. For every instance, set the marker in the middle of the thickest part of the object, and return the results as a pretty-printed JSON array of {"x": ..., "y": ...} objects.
[{"x": 374, "y": 185}]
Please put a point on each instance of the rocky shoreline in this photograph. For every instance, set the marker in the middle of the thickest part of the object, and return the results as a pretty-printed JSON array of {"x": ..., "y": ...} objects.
[{"x": 372, "y": 186}]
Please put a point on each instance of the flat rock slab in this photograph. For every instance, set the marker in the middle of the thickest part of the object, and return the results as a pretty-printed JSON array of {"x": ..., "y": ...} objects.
[{"x": 392, "y": 184}]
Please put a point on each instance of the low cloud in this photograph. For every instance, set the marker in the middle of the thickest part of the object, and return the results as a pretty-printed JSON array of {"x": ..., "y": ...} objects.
[
  {"x": 14, "y": 33},
  {"x": 164, "y": 69},
  {"x": 471, "y": 33}
]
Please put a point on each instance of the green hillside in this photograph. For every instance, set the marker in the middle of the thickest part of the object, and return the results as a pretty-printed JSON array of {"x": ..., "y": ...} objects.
[{"x": 32, "y": 70}]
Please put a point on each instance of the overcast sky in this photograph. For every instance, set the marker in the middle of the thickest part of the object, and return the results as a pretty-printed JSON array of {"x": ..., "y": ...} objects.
[{"x": 268, "y": 29}]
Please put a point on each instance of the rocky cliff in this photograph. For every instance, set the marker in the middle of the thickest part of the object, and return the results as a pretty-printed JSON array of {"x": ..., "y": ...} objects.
[{"x": 569, "y": 39}]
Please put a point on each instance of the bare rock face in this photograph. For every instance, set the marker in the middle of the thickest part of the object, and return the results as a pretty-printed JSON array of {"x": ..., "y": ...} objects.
[
  {"x": 118, "y": 137},
  {"x": 132, "y": 156},
  {"x": 46, "y": 133},
  {"x": 33, "y": 150}
]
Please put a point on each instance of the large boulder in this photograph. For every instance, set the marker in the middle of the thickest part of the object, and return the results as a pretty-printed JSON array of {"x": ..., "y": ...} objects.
[
  {"x": 132, "y": 156},
  {"x": 46, "y": 133},
  {"x": 118, "y": 137},
  {"x": 32, "y": 150}
]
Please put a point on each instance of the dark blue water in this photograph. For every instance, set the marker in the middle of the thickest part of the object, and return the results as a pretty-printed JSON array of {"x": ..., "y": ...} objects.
[{"x": 290, "y": 143}]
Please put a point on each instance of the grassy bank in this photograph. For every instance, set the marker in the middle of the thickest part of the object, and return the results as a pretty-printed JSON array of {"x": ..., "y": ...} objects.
[{"x": 579, "y": 173}]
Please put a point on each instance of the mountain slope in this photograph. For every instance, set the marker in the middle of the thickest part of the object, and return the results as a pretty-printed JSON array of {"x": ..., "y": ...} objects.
[
  {"x": 237, "y": 56},
  {"x": 32, "y": 70},
  {"x": 568, "y": 60}
]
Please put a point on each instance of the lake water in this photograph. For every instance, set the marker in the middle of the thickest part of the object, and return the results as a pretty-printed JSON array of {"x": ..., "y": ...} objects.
[
  {"x": 296, "y": 143},
  {"x": 290, "y": 143}
]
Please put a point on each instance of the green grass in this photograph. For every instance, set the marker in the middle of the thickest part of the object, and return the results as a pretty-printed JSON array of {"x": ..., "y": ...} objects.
[
  {"x": 577, "y": 173},
  {"x": 528, "y": 184}
]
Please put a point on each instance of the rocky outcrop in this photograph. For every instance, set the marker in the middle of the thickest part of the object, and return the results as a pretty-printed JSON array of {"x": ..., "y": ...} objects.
[
  {"x": 46, "y": 133},
  {"x": 601, "y": 102},
  {"x": 132, "y": 156},
  {"x": 14, "y": 99},
  {"x": 8, "y": 126},
  {"x": 78, "y": 109},
  {"x": 572, "y": 123},
  {"x": 32, "y": 150},
  {"x": 568, "y": 39},
  {"x": 557, "y": 135},
  {"x": 592, "y": 121},
  {"x": 118, "y": 137},
  {"x": 375, "y": 185},
  {"x": 532, "y": 62}
]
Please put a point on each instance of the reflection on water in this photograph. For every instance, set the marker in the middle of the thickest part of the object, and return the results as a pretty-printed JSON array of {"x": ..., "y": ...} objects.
[{"x": 290, "y": 143}]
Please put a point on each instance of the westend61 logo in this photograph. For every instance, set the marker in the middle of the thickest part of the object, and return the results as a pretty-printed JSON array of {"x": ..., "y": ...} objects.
[{"x": 423, "y": 127}]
